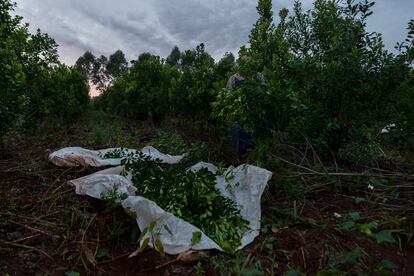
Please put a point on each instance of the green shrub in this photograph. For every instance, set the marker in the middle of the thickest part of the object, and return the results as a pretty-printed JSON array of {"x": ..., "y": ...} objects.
[
  {"x": 169, "y": 142},
  {"x": 34, "y": 87},
  {"x": 327, "y": 77}
]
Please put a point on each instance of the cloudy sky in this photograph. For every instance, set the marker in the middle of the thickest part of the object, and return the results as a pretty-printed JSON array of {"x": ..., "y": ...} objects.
[{"x": 137, "y": 26}]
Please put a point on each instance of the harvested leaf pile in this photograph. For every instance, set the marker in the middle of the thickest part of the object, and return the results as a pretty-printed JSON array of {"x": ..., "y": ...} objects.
[{"x": 189, "y": 195}]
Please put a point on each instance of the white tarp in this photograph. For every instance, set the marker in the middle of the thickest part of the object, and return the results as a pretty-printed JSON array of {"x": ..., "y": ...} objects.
[
  {"x": 245, "y": 187},
  {"x": 77, "y": 156}
]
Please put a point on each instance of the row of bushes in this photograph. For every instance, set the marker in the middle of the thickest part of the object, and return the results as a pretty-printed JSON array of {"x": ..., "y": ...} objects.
[
  {"x": 327, "y": 78},
  {"x": 34, "y": 86},
  {"x": 153, "y": 88}
]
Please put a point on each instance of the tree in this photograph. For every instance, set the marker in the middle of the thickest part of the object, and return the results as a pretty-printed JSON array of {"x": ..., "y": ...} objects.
[
  {"x": 94, "y": 68},
  {"x": 117, "y": 64},
  {"x": 174, "y": 57},
  {"x": 22, "y": 57},
  {"x": 101, "y": 71},
  {"x": 34, "y": 86},
  {"x": 188, "y": 59},
  {"x": 225, "y": 65},
  {"x": 260, "y": 38},
  {"x": 85, "y": 63}
]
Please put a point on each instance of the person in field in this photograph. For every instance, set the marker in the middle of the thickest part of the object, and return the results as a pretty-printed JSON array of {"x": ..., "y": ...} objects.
[
  {"x": 235, "y": 80},
  {"x": 242, "y": 140}
]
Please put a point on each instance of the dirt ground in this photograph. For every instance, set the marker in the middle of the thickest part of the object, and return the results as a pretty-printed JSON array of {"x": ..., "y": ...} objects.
[{"x": 46, "y": 229}]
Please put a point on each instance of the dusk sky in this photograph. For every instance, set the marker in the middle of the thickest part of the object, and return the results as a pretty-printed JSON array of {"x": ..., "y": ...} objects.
[{"x": 155, "y": 26}]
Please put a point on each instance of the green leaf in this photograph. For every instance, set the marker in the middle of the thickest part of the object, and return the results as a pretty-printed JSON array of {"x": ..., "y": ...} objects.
[
  {"x": 349, "y": 258},
  {"x": 355, "y": 215},
  {"x": 151, "y": 226},
  {"x": 143, "y": 245},
  {"x": 379, "y": 182},
  {"x": 72, "y": 273},
  {"x": 367, "y": 228},
  {"x": 196, "y": 238},
  {"x": 386, "y": 264},
  {"x": 384, "y": 236},
  {"x": 359, "y": 200},
  {"x": 168, "y": 229},
  {"x": 159, "y": 247},
  {"x": 143, "y": 233},
  {"x": 348, "y": 225}
]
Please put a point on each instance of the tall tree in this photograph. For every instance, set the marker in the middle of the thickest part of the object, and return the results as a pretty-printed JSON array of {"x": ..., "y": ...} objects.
[
  {"x": 85, "y": 63},
  {"x": 23, "y": 57},
  {"x": 188, "y": 58},
  {"x": 260, "y": 38},
  {"x": 94, "y": 68},
  {"x": 174, "y": 57},
  {"x": 117, "y": 64}
]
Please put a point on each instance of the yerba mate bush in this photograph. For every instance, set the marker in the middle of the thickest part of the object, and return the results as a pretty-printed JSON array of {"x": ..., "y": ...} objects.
[{"x": 34, "y": 86}]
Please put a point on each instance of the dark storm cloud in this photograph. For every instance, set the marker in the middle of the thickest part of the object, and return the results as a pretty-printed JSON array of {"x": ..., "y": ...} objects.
[
  {"x": 103, "y": 26},
  {"x": 223, "y": 25}
]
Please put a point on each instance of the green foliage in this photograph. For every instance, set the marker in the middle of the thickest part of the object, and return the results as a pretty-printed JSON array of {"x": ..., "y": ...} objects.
[
  {"x": 196, "y": 152},
  {"x": 261, "y": 36},
  {"x": 116, "y": 153},
  {"x": 235, "y": 265},
  {"x": 142, "y": 92},
  {"x": 342, "y": 262},
  {"x": 119, "y": 223},
  {"x": 117, "y": 64},
  {"x": 106, "y": 130},
  {"x": 100, "y": 71},
  {"x": 191, "y": 196},
  {"x": 33, "y": 85},
  {"x": 196, "y": 238},
  {"x": 94, "y": 69},
  {"x": 368, "y": 229},
  {"x": 72, "y": 273},
  {"x": 326, "y": 78},
  {"x": 112, "y": 198},
  {"x": 384, "y": 267},
  {"x": 61, "y": 93},
  {"x": 174, "y": 57},
  {"x": 199, "y": 269},
  {"x": 170, "y": 142},
  {"x": 185, "y": 84}
]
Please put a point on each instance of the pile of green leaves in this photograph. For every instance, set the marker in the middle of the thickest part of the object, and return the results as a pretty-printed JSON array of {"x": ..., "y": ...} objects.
[{"x": 191, "y": 196}]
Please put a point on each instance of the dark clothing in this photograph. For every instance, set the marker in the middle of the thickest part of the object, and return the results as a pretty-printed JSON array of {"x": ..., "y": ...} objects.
[{"x": 242, "y": 141}]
